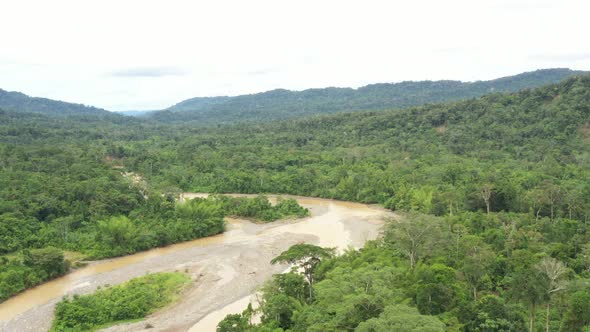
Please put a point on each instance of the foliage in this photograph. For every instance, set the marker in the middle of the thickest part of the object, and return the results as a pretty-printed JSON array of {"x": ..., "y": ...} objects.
[
  {"x": 492, "y": 313},
  {"x": 415, "y": 236},
  {"x": 260, "y": 208},
  {"x": 524, "y": 152},
  {"x": 29, "y": 269},
  {"x": 284, "y": 104},
  {"x": 306, "y": 257},
  {"x": 401, "y": 318},
  {"x": 463, "y": 279},
  {"x": 232, "y": 323},
  {"x": 578, "y": 313},
  {"x": 158, "y": 223},
  {"x": 132, "y": 300}
]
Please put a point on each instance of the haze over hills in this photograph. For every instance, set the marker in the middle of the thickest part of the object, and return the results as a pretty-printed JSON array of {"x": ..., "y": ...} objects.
[{"x": 283, "y": 104}]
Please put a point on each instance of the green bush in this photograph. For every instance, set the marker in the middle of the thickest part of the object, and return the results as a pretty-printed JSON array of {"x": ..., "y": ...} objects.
[
  {"x": 158, "y": 224},
  {"x": 132, "y": 300},
  {"x": 260, "y": 208},
  {"x": 29, "y": 269}
]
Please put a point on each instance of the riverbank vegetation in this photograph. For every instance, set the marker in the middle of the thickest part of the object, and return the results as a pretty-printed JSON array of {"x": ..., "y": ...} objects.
[
  {"x": 469, "y": 272},
  {"x": 260, "y": 208},
  {"x": 30, "y": 268},
  {"x": 161, "y": 222},
  {"x": 68, "y": 196},
  {"x": 132, "y": 300}
]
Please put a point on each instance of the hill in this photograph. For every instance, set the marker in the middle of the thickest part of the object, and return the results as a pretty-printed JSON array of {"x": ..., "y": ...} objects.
[
  {"x": 505, "y": 173},
  {"x": 516, "y": 141},
  {"x": 135, "y": 113},
  {"x": 284, "y": 104},
  {"x": 16, "y": 101}
]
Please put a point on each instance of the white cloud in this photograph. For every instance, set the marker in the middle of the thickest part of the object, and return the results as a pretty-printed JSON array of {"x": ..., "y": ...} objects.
[
  {"x": 150, "y": 54},
  {"x": 149, "y": 72}
]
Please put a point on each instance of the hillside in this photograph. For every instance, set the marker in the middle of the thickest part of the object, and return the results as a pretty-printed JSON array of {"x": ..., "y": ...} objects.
[
  {"x": 16, "y": 101},
  {"x": 284, "y": 104},
  {"x": 384, "y": 157},
  {"x": 505, "y": 176},
  {"x": 135, "y": 113}
]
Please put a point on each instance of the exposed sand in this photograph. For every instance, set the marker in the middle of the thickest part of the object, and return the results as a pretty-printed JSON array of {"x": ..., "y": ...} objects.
[{"x": 226, "y": 269}]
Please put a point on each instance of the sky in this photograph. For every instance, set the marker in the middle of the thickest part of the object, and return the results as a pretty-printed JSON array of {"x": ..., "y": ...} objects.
[{"x": 144, "y": 55}]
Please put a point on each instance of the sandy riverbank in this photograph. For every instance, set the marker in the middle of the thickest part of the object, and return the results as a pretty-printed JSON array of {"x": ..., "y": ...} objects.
[{"x": 225, "y": 268}]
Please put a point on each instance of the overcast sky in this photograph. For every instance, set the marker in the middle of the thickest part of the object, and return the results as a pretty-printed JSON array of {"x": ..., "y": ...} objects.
[{"x": 130, "y": 55}]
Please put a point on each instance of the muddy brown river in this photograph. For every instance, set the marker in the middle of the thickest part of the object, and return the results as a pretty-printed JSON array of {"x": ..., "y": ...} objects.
[{"x": 226, "y": 268}]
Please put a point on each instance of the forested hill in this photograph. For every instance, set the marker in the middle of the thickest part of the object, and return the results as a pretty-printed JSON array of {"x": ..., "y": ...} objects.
[
  {"x": 418, "y": 158},
  {"x": 19, "y": 102},
  {"x": 284, "y": 104},
  {"x": 506, "y": 173}
]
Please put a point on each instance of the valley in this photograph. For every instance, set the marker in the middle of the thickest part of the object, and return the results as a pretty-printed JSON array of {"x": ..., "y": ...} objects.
[
  {"x": 489, "y": 199},
  {"x": 295, "y": 166}
]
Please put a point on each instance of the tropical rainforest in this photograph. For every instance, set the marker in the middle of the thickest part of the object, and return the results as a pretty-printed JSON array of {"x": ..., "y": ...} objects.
[{"x": 493, "y": 192}]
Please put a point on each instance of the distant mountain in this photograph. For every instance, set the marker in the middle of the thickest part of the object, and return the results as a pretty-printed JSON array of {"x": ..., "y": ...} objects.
[
  {"x": 135, "y": 113},
  {"x": 19, "y": 102},
  {"x": 199, "y": 103},
  {"x": 283, "y": 104}
]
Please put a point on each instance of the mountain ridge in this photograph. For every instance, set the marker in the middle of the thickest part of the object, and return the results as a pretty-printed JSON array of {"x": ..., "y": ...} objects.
[
  {"x": 20, "y": 102},
  {"x": 280, "y": 104}
]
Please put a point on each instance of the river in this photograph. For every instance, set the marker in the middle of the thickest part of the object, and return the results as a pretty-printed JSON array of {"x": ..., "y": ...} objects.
[{"x": 226, "y": 268}]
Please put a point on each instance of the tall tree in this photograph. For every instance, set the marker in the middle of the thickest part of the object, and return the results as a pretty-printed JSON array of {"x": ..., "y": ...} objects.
[
  {"x": 401, "y": 318},
  {"x": 530, "y": 287},
  {"x": 486, "y": 194},
  {"x": 555, "y": 272},
  {"x": 578, "y": 314},
  {"x": 415, "y": 235},
  {"x": 476, "y": 264},
  {"x": 307, "y": 257}
]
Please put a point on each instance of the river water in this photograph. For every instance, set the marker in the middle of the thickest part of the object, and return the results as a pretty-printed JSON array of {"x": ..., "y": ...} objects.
[{"x": 332, "y": 224}]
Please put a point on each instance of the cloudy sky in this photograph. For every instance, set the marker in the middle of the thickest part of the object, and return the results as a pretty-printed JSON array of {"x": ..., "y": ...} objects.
[{"x": 130, "y": 55}]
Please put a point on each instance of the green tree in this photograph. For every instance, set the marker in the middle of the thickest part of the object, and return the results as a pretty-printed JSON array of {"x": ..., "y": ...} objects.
[
  {"x": 115, "y": 236},
  {"x": 530, "y": 287},
  {"x": 232, "y": 323},
  {"x": 577, "y": 315},
  {"x": 49, "y": 261},
  {"x": 555, "y": 273},
  {"x": 477, "y": 263},
  {"x": 307, "y": 257},
  {"x": 415, "y": 235},
  {"x": 436, "y": 289},
  {"x": 401, "y": 318},
  {"x": 492, "y": 314}
]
